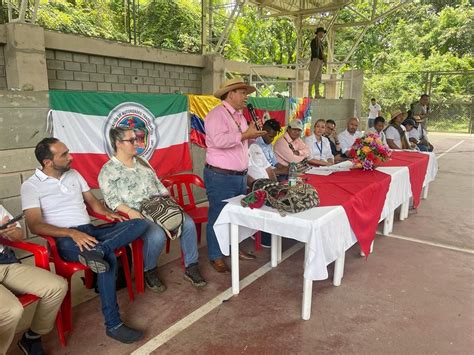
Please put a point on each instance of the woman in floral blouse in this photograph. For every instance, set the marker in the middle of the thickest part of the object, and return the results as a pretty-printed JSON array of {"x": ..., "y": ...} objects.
[{"x": 125, "y": 183}]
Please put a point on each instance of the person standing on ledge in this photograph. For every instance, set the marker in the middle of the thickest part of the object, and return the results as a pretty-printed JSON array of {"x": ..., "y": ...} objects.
[
  {"x": 225, "y": 172},
  {"x": 316, "y": 64}
]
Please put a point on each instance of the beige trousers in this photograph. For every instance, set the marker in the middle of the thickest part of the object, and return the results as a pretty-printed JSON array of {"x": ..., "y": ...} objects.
[
  {"x": 315, "y": 74},
  {"x": 17, "y": 279}
]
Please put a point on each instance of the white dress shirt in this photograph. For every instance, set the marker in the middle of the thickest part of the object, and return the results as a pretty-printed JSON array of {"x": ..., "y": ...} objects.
[
  {"x": 319, "y": 150},
  {"x": 346, "y": 140},
  {"x": 258, "y": 163},
  {"x": 416, "y": 133}
]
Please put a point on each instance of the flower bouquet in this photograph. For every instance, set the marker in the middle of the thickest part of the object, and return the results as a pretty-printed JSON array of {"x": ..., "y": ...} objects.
[{"x": 368, "y": 151}]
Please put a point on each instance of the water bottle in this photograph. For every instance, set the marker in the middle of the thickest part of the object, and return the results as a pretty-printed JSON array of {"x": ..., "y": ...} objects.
[{"x": 292, "y": 174}]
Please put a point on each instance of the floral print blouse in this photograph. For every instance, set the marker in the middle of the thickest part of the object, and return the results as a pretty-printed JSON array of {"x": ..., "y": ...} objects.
[{"x": 129, "y": 186}]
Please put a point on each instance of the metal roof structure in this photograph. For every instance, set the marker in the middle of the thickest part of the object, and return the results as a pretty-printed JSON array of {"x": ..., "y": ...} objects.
[
  {"x": 300, "y": 7},
  {"x": 305, "y": 14}
]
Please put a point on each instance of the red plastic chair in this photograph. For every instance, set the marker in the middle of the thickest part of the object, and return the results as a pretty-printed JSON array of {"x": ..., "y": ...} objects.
[
  {"x": 175, "y": 185},
  {"x": 66, "y": 269},
  {"x": 137, "y": 253},
  {"x": 41, "y": 260}
]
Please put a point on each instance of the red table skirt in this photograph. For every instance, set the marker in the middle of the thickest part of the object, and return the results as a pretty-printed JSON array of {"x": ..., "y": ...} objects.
[
  {"x": 361, "y": 194},
  {"x": 417, "y": 164}
]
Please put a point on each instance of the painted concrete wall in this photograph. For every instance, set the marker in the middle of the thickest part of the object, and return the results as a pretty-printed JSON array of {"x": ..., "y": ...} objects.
[{"x": 338, "y": 110}]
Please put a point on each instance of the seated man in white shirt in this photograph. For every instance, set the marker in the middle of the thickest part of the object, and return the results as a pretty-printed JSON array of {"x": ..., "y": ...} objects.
[
  {"x": 347, "y": 137},
  {"x": 379, "y": 125},
  {"x": 54, "y": 201},
  {"x": 417, "y": 135},
  {"x": 319, "y": 146},
  {"x": 263, "y": 163}
]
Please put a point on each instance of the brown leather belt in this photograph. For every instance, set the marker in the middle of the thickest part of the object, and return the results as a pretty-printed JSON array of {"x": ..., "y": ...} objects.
[{"x": 225, "y": 171}]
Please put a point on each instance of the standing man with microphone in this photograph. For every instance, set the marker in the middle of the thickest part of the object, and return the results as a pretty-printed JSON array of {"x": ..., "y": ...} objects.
[{"x": 225, "y": 172}]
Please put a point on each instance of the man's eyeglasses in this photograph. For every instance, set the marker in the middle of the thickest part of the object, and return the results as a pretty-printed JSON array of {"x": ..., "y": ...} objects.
[{"x": 131, "y": 140}]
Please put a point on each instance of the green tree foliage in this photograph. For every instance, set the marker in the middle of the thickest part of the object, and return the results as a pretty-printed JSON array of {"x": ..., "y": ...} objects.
[
  {"x": 395, "y": 54},
  {"x": 425, "y": 37},
  {"x": 171, "y": 24},
  {"x": 90, "y": 18},
  {"x": 261, "y": 40}
]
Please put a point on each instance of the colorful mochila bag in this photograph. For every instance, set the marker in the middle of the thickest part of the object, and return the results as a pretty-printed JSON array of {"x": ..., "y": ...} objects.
[
  {"x": 165, "y": 212},
  {"x": 284, "y": 198},
  {"x": 162, "y": 210}
]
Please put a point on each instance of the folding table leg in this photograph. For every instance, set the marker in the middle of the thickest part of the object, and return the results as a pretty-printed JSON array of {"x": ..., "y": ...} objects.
[
  {"x": 274, "y": 261},
  {"x": 279, "y": 238},
  {"x": 404, "y": 210},
  {"x": 424, "y": 195},
  {"x": 388, "y": 224},
  {"x": 339, "y": 270},
  {"x": 234, "y": 250},
  {"x": 307, "y": 296}
]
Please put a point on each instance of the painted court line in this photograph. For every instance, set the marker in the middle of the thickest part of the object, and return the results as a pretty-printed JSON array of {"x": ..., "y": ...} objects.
[
  {"x": 438, "y": 245},
  {"x": 450, "y": 149},
  {"x": 193, "y": 317}
]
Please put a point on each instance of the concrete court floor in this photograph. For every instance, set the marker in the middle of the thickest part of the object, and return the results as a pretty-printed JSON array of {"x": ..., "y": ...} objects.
[{"x": 407, "y": 298}]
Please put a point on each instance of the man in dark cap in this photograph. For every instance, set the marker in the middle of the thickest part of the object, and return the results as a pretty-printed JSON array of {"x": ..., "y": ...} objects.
[{"x": 316, "y": 64}]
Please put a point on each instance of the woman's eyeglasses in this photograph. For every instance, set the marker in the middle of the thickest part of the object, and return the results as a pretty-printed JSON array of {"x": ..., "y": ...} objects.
[{"x": 131, "y": 140}]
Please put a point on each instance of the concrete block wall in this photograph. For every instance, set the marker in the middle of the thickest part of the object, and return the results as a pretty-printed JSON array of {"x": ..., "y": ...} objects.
[
  {"x": 338, "y": 110},
  {"x": 79, "y": 71},
  {"x": 3, "y": 75},
  {"x": 22, "y": 125}
]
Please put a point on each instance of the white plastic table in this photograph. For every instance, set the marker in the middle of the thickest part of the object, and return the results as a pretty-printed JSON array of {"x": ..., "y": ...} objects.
[{"x": 325, "y": 231}]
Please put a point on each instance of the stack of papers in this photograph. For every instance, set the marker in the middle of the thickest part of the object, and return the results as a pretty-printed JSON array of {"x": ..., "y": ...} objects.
[{"x": 328, "y": 170}]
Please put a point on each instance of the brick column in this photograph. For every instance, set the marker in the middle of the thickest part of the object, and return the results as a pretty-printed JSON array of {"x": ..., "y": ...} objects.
[{"x": 25, "y": 60}]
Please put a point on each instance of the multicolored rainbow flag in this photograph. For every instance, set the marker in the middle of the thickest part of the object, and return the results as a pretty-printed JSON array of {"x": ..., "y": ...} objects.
[
  {"x": 199, "y": 107},
  {"x": 82, "y": 120},
  {"x": 301, "y": 109}
]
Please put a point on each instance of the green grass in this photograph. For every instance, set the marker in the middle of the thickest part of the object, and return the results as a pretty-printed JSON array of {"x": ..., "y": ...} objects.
[{"x": 449, "y": 126}]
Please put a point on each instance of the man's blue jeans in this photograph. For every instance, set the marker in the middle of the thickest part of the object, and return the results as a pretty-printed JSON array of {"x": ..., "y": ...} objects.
[
  {"x": 110, "y": 237},
  {"x": 154, "y": 240},
  {"x": 219, "y": 187},
  {"x": 424, "y": 148}
]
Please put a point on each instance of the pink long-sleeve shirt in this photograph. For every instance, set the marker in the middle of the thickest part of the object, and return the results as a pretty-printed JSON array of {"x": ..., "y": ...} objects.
[
  {"x": 284, "y": 153},
  {"x": 225, "y": 149}
]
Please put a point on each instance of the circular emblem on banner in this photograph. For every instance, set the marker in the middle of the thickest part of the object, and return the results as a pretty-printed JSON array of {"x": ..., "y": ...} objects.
[{"x": 140, "y": 119}]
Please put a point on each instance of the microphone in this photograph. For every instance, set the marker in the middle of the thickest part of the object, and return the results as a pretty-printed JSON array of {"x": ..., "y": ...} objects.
[{"x": 254, "y": 116}]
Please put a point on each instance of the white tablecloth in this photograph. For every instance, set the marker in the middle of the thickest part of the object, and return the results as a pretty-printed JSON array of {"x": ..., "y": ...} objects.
[
  {"x": 326, "y": 230},
  {"x": 399, "y": 190},
  {"x": 432, "y": 169}
]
